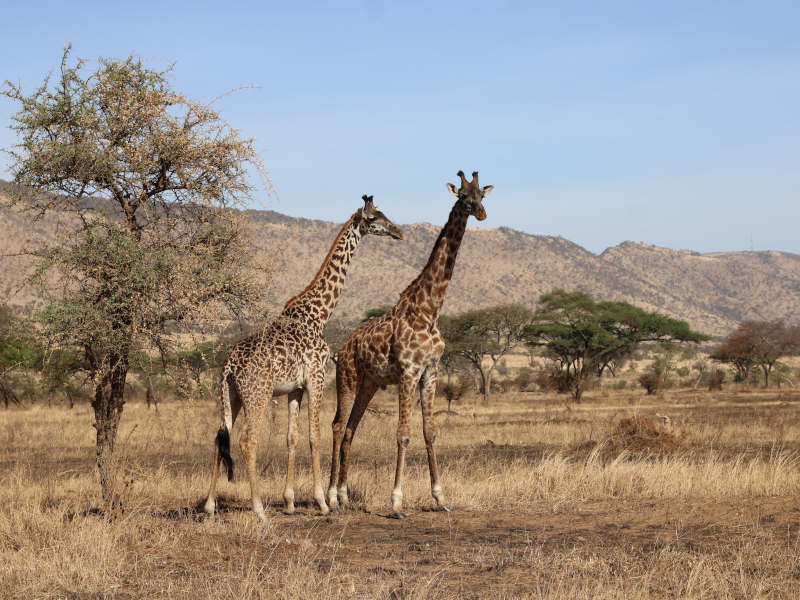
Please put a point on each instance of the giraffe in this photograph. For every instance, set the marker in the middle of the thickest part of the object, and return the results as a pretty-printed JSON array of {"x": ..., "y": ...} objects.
[
  {"x": 288, "y": 357},
  {"x": 403, "y": 346}
]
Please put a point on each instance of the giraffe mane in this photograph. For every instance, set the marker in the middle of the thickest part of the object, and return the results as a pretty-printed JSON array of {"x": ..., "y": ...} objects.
[
  {"x": 324, "y": 262},
  {"x": 411, "y": 285}
]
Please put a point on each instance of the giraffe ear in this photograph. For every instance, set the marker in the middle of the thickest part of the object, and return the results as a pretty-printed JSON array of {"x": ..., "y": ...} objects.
[
  {"x": 452, "y": 188},
  {"x": 487, "y": 189}
]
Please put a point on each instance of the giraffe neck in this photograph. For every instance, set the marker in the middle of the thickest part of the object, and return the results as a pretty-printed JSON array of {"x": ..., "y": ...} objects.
[
  {"x": 318, "y": 300},
  {"x": 427, "y": 292}
]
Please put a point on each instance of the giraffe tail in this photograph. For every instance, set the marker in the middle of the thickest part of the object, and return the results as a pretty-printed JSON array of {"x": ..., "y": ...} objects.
[{"x": 223, "y": 440}]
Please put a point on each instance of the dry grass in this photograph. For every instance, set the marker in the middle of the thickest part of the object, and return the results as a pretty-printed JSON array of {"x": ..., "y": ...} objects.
[{"x": 715, "y": 516}]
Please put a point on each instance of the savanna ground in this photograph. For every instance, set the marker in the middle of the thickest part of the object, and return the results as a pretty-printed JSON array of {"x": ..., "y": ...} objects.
[{"x": 539, "y": 511}]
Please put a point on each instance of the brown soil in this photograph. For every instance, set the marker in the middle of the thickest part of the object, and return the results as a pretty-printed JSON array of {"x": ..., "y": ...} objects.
[{"x": 470, "y": 552}]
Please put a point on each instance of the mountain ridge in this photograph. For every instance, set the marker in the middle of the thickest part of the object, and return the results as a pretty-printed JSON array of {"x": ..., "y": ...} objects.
[{"x": 712, "y": 291}]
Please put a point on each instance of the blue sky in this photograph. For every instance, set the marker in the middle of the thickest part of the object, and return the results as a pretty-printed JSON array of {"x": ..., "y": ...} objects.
[{"x": 672, "y": 123}]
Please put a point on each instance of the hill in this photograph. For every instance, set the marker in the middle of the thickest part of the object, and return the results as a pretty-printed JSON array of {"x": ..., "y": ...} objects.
[{"x": 712, "y": 291}]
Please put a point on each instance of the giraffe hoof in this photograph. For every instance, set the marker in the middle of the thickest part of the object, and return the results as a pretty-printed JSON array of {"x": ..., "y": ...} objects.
[
  {"x": 334, "y": 509},
  {"x": 398, "y": 515}
]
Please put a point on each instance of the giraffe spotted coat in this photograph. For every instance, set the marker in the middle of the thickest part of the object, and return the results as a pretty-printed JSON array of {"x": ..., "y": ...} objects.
[
  {"x": 288, "y": 357},
  {"x": 402, "y": 347}
]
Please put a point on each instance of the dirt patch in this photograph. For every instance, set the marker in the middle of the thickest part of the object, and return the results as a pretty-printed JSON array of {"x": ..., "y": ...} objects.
[{"x": 469, "y": 552}]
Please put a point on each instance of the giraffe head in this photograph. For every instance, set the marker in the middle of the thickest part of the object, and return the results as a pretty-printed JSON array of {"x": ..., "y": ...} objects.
[
  {"x": 371, "y": 221},
  {"x": 471, "y": 194}
]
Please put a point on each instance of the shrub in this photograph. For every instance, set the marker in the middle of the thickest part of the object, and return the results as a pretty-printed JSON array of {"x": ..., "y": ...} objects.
[
  {"x": 716, "y": 379},
  {"x": 453, "y": 390},
  {"x": 524, "y": 379},
  {"x": 554, "y": 380},
  {"x": 651, "y": 382}
]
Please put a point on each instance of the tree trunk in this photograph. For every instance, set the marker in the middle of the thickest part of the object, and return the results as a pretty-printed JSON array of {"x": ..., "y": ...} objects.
[
  {"x": 486, "y": 382},
  {"x": 109, "y": 398},
  {"x": 577, "y": 385},
  {"x": 766, "y": 369}
]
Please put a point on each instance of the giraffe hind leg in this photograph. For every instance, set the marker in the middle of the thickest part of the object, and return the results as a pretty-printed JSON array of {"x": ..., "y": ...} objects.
[
  {"x": 345, "y": 395},
  {"x": 222, "y": 443},
  {"x": 248, "y": 443},
  {"x": 366, "y": 391}
]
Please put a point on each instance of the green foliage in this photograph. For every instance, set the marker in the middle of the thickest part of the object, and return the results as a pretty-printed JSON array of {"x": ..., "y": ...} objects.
[
  {"x": 374, "y": 313},
  {"x": 18, "y": 345},
  {"x": 205, "y": 356},
  {"x": 487, "y": 333},
  {"x": 586, "y": 337}
]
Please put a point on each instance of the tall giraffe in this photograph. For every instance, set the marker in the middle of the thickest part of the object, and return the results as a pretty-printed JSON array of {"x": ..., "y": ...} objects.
[
  {"x": 403, "y": 346},
  {"x": 289, "y": 357}
]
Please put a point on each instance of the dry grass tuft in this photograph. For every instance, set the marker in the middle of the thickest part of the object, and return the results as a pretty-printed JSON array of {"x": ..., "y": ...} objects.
[{"x": 634, "y": 437}]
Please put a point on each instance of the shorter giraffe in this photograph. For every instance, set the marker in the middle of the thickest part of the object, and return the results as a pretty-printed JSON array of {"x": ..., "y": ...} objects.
[
  {"x": 403, "y": 346},
  {"x": 289, "y": 357}
]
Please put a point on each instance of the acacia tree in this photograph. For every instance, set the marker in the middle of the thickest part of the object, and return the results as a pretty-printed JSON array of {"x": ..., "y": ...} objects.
[
  {"x": 142, "y": 180},
  {"x": 757, "y": 344},
  {"x": 484, "y": 336},
  {"x": 585, "y": 337}
]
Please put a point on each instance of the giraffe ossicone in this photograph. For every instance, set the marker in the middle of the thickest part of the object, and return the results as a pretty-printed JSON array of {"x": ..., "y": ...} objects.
[
  {"x": 402, "y": 347},
  {"x": 288, "y": 357}
]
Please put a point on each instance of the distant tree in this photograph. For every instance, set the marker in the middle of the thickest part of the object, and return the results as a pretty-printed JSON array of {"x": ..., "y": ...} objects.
[
  {"x": 585, "y": 337},
  {"x": 374, "y": 313},
  {"x": 651, "y": 381},
  {"x": 485, "y": 336},
  {"x": 143, "y": 180},
  {"x": 664, "y": 363},
  {"x": 454, "y": 389},
  {"x": 757, "y": 344}
]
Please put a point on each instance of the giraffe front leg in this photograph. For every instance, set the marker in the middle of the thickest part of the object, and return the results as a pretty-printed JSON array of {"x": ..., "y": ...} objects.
[
  {"x": 314, "y": 400},
  {"x": 427, "y": 393},
  {"x": 295, "y": 398},
  {"x": 406, "y": 391}
]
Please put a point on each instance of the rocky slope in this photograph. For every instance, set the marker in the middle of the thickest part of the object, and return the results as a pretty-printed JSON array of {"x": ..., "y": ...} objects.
[{"x": 712, "y": 291}]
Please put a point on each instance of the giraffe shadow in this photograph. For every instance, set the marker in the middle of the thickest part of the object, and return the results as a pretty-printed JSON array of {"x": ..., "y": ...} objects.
[{"x": 196, "y": 512}]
